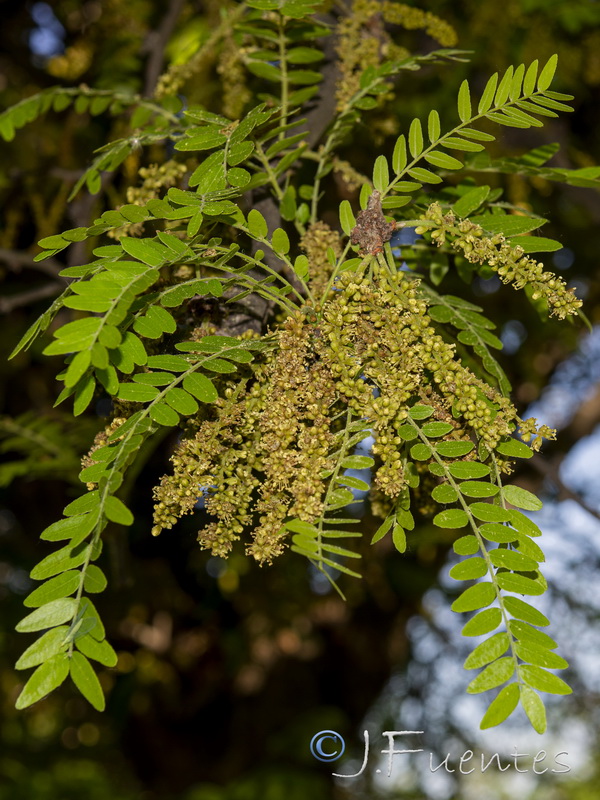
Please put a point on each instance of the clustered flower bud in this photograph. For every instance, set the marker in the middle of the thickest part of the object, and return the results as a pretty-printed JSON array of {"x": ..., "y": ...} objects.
[
  {"x": 155, "y": 178},
  {"x": 264, "y": 451},
  {"x": 363, "y": 40},
  {"x": 315, "y": 243},
  {"x": 508, "y": 261}
]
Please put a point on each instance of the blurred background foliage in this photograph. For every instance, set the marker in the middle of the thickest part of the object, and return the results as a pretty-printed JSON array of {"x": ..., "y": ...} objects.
[{"x": 226, "y": 670}]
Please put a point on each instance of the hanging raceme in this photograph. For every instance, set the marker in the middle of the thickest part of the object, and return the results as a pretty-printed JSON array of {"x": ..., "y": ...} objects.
[{"x": 341, "y": 339}]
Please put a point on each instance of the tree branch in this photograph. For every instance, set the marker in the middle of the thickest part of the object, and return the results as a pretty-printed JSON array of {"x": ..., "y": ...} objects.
[
  {"x": 155, "y": 44},
  {"x": 8, "y": 304},
  {"x": 15, "y": 259}
]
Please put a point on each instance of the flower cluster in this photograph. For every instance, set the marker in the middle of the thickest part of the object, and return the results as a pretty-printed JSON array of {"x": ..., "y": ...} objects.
[
  {"x": 364, "y": 41},
  {"x": 416, "y": 19},
  {"x": 264, "y": 450},
  {"x": 230, "y": 67},
  {"x": 359, "y": 44},
  {"x": 315, "y": 242},
  {"x": 507, "y": 260},
  {"x": 380, "y": 336},
  {"x": 348, "y": 175},
  {"x": 155, "y": 178},
  {"x": 260, "y": 460}
]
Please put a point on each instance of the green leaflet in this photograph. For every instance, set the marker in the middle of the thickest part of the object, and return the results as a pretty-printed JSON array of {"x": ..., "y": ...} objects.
[
  {"x": 511, "y": 560},
  {"x": 466, "y": 545},
  {"x": 61, "y": 585},
  {"x": 531, "y": 635},
  {"x": 543, "y": 681},
  {"x": 47, "y": 677},
  {"x": 522, "y": 610},
  {"x": 467, "y": 470},
  {"x": 95, "y": 580},
  {"x": 519, "y": 584},
  {"x": 347, "y": 219},
  {"x": 48, "y": 645},
  {"x": 100, "y": 651},
  {"x": 117, "y": 511},
  {"x": 470, "y": 569},
  {"x": 453, "y": 449},
  {"x": 495, "y": 674},
  {"x": 501, "y": 706},
  {"x": 521, "y": 498},
  {"x": 75, "y": 527},
  {"x": 483, "y": 622},
  {"x": 61, "y": 560},
  {"x": 540, "y": 656},
  {"x": 451, "y": 518},
  {"x": 475, "y": 597},
  {"x": 382, "y": 530},
  {"x": 534, "y": 708},
  {"x": 488, "y": 651},
  {"x": 381, "y": 174},
  {"x": 85, "y": 679},
  {"x": 54, "y": 613},
  {"x": 470, "y": 201}
]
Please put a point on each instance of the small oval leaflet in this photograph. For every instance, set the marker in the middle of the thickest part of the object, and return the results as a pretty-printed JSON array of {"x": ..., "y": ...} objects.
[
  {"x": 444, "y": 493},
  {"x": 493, "y": 675},
  {"x": 521, "y": 498},
  {"x": 467, "y": 470},
  {"x": 49, "y": 644},
  {"x": 44, "y": 680},
  {"x": 55, "y": 613},
  {"x": 522, "y": 610},
  {"x": 520, "y": 584},
  {"x": 466, "y": 545},
  {"x": 451, "y": 518},
  {"x": 421, "y": 452},
  {"x": 86, "y": 680},
  {"x": 60, "y": 586},
  {"x": 534, "y": 708},
  {"x": 475, "y": 597},
  {"x": 501, "y": 706},
  {"x": 487, "y": 512},
  {"x": 531, "y": 635},
  {"x": 470, "y": 569},
  {"x": 478, "y": 489},
  {"x": 512, "y": 560},
  {"x": 454, "y": 449},
  {"x": 488, "y": 651},
  {"x": 483, "y": 622}
]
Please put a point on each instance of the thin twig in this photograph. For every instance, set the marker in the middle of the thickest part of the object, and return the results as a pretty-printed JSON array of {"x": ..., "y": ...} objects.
[
  {"x": 156, "y": 43},
  {"x": 15, "y": 259},
  {"x": 8, "y": 304}
]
